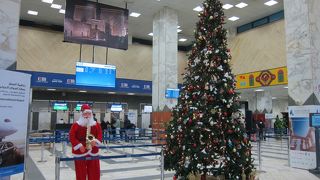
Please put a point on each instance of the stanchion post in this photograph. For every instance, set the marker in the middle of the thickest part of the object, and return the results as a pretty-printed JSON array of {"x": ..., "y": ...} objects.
[
  {"x": 42, "y": 152},
  {"x": 156, "y": 147},
  {"x": 259, "y": 155},
  {"x": 289, "y": 150},
  {"x": 57, "y": 168},
  {"x": 53, "y": 148},
  {"x": 64, "y": 152},
  {"x": 132, "y": 152},
  {"x": 162, "y": 164}
]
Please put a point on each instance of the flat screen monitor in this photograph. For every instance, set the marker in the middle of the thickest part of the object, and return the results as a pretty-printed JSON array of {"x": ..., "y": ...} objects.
[
  {"x": 116, "y": 108},
  {"x": 78, "y": 107},
  {"x": 99, "y": 75},
  {"x": 88, "y": 22},
  {"x": 60, "y": 106},
  {"x": 147, "y": 109},
  {"x": 314, "y": 120},
  {"x": 172, "y": 93}
]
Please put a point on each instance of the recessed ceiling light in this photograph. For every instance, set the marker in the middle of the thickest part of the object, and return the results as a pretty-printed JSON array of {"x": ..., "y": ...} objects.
[
  {"x": 51, "y": 89},
  {"x": 198, "y": 9},
  {"x": 62, "y": 11},
  {"x": 179, "y": 30},
  {"x": 178, "y": 27},
  {"x": 56, "y": 6},
  {"x": 150, "y": 34},
  {"x": 271, "y": 3},
  {"x": 234, "y": 18},
  {"x": 182, "y": 39},
  {"x": 111, "y": 93},
  {"x": 47, "y": 1},
  {"x": 227, "y": 6},
  {"x": 274, "y": 97},
  {"x": 33, "y": 12},
  {"x": 259, "y": 90},
  {"x": 83, "y": 91},
  {"x": 241, "y": 5},
  {"x": 286, "y": 87},
  {"x": 131, "y": 94},
  {"x": 134, "y": 14}
]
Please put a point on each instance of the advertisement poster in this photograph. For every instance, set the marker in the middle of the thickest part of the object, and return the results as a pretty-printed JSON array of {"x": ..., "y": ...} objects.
[
  {"x": 14, "y": 97},
  {"x": 302, "y": 137}
]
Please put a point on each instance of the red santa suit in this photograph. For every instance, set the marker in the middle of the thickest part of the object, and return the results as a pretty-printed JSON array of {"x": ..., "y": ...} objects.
[{"x": 86, "y": 168}]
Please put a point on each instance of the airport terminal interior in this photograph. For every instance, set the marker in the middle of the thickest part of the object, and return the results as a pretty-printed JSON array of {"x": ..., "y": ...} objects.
[{"x": 159, "y": 89}]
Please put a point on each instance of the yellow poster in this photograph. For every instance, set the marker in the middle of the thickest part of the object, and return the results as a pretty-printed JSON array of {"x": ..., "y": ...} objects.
[{"x": 271, "y": 77}]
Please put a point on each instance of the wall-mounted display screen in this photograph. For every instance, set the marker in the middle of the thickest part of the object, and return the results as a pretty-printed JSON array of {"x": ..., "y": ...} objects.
[
  {"x": 78, "y": 106},
  {"x": 100, "y": 75},
  {"x": 147, "y": 109},
  {"x": 116, "y": 108},
  {"x": 88, "y": 22},
  {"x": 314, "y": 119},
  {"x": 60, "y": 106},
  {"x": 172, "y": 93}
]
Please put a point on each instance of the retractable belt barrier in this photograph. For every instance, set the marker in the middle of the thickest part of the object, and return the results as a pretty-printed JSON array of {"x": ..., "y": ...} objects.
[
  {"x": 63, "y": 159},
  {"x": 61, "y": 136}
]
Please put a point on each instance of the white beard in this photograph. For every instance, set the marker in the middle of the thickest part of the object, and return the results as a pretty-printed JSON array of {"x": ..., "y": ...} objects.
[{"x": 86, "y": 121}]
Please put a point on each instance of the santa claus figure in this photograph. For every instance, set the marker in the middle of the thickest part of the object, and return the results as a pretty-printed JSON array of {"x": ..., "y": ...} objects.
[{"x": 85, "y": 137}]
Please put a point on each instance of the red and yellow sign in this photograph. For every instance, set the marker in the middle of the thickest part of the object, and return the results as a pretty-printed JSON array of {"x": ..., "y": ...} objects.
[{"x": 269, "y": 77}]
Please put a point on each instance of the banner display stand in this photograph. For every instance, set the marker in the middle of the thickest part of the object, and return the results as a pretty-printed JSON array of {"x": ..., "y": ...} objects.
[
  {"x": 14, "y": 97},
  {"x": 302, "y": 142}
]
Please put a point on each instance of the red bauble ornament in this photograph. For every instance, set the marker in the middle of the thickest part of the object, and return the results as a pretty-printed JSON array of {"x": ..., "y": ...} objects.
[
  {"x": 194, "y": 145},
  {"x": 230, "y": 131},
  {"x": 225, "y": 114},
  {"x": 190, "y": 121},
  {"x": 194, "y": 97},
  {"x": 231, "y": 91},
  {"x": 174, "y": 177}
]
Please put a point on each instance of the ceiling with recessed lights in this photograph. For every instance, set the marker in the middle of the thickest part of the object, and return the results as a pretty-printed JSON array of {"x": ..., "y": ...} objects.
[{"x": 139, "y": 27}]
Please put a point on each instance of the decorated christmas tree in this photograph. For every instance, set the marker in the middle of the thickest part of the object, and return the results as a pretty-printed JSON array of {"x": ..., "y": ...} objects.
[{"x": 205, "y": 136}]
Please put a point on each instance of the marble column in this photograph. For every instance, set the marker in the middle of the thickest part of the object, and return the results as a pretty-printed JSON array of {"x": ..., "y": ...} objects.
[
  {"x": 165, "y": 49},
  {"x": 260, "y": 102},
  {"x": 9, "y": 26},
  {"x": 302, "y": 20}
]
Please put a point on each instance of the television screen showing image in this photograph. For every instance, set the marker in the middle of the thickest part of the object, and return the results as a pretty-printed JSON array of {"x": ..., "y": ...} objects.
[
  {"x": 57, "y": 106},
  {"x": 88, "y": 22},
  {"x": 172, "y": 93},
  {"x": 100, "y": 75},
  {"x": 147, "y": 109},
  {"x": 116, "y": 108},
  {"x": 315, "y": 119}
]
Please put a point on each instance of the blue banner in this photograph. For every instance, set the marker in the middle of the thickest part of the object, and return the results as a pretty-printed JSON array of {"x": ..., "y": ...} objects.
[
  {"x": 11, "y": 170},
  {"x": 68, "y": 81}
]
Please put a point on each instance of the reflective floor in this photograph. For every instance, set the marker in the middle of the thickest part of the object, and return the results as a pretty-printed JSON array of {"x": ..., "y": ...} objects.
[{"x": 274, "y": 164}]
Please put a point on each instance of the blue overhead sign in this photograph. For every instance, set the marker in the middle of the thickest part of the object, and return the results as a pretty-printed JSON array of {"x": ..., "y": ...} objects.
[{"x": 68, "y": 81}]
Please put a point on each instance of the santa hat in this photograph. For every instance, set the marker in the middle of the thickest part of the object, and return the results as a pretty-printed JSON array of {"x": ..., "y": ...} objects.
[{"x": 86, "y": 108}]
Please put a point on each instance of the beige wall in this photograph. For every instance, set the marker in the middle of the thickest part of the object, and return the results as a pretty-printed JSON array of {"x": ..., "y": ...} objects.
[
  {"x": 259, "y": 49},
  {"x": 43, "y": 50}
]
